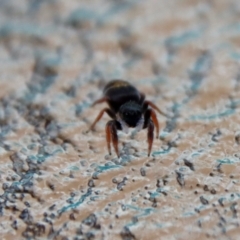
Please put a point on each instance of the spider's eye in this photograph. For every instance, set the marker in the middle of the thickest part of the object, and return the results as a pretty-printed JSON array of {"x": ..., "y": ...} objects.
[{"x": 132, "y": 113}]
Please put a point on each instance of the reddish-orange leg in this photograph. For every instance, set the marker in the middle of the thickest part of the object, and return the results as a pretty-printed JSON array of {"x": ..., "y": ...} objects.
[
  {"x": 111, "y": 126},
  {"x": 111, "y": 135},
  {"x": 155, "y": 121},
  {"x": 108, "y": 137},
  {"x": 149, "y": 123},
  {"x": 108, "y": 111},
  {"x": 150, "y": 136},
  {"x": 151, "y": 104},
  {"x": 101, "y": 100}
]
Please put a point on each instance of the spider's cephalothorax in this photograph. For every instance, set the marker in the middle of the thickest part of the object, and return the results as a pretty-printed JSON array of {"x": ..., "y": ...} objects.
[
  {"x": 131, "y": 113},
  {"x": 127, "y": 108}
]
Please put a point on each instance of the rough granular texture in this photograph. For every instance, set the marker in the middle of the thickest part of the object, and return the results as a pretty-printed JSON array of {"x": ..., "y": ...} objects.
[{"x": 58, "y": 181}]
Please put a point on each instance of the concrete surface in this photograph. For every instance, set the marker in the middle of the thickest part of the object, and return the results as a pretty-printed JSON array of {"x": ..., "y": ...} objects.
[{"x": 57, "y": 181}]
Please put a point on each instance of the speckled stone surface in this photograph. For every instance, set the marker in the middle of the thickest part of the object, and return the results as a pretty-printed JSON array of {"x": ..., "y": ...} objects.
[{"x": 58, "y": 181}]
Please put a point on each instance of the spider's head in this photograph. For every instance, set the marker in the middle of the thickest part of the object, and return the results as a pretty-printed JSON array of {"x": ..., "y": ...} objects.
[{"x": 131, "y": 114}]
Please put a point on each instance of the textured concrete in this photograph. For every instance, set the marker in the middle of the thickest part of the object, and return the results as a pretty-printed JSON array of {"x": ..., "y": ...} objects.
[{"x": 57, "y": 181}]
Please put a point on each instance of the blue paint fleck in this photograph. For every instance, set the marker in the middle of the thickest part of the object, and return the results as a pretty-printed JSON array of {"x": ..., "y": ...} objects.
[
  {"x": 161, "y": 152},
  {"x": 226, "y": 113},
  {"x": 79, "y": 107},
  {"x": 74, "y": 168},
  {"x": 79, "y": 202},
  {"x": 178, "y": 40},
  {"x": 228, "y": 161},
  {"x": 26, "y": 29},
  {"x": 143, "y": 211},
  {"x": 104, "y": 168},
  {"x": 117, "y": 8},
  {"x": 81, "y": 15},
  {"x": 235, "y": 55}
]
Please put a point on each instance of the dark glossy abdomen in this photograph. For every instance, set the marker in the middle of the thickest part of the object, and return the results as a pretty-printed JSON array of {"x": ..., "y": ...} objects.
[{"x": 119, "y": 92}]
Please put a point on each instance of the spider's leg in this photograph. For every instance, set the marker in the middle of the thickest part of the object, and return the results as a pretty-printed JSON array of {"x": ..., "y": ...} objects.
[
  {"x": 150, "y": 136},
  {"x": 100, "y": 100},
  {"x": 108, "y": 111},
  {"x": 149, "y": 124},
  {"x": 152, "y": 105},
  {"x": 111, "y": 135},
  {"x": 155, "y": 121}
]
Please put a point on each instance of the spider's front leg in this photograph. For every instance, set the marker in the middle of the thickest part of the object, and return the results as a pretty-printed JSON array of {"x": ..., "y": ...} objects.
[
  {"x": 152, "y": 105},
  {"x": 150, "y": 136},
  {"x": 150, "y": 120},
  {"x": 110, "y": 113},
  {"x": 111, "y": 135}
]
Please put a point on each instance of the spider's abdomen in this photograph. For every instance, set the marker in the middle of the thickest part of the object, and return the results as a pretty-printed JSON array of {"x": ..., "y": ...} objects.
[{"x": 119, "y": 92}]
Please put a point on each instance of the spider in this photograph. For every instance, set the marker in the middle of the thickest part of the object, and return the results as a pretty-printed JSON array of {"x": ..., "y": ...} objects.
[{"x": 128, "y": 109}]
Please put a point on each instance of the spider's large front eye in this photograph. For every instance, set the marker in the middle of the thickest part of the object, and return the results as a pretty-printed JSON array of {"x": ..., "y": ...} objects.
[{"x": 131, "y": 113}]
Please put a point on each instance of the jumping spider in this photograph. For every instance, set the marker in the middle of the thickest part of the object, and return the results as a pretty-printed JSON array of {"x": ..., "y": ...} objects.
[{"x": 127, "y": 108}]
